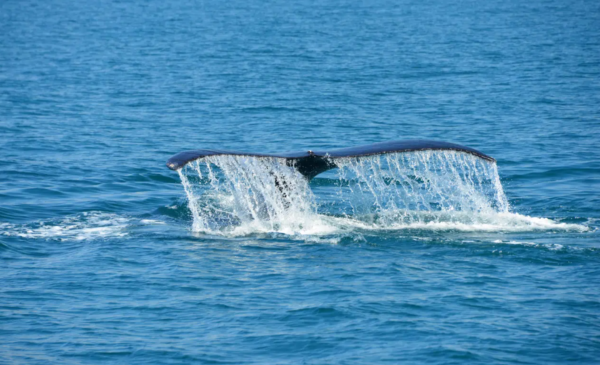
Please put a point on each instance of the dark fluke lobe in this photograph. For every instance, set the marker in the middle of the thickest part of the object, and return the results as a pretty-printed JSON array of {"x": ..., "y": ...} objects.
[{"x": 311, "y": 163}]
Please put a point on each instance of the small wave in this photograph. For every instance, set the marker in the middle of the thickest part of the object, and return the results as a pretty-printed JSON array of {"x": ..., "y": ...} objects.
[
  {"x": 491, "y": 222},
  {"x": 85, "y": 226},
  {"x": 549, "y": 246},
  {"x": 151, "y": 222}
]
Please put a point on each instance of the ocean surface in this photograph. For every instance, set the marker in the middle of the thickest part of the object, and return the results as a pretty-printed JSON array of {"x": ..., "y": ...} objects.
[{"x": 109, "y": 257}]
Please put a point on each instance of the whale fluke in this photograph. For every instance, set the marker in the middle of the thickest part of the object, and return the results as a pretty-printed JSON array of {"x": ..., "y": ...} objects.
[{"x": 311, "y": 163}]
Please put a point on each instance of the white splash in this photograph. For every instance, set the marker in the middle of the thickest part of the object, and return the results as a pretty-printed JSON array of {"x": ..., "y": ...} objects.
[
  {"x": 85, "y": 226},
  {"x": 427, "y": 190}
]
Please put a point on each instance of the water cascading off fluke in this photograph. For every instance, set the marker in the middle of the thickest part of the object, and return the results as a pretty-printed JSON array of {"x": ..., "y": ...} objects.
[
  {"x": 259, "y": 194},
  {"x": 420, "y": 187},
  {"x": 238, "y": 193}
]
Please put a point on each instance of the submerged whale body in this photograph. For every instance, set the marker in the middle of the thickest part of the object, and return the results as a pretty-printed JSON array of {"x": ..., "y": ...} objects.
[{"x": 311, "y": 163}]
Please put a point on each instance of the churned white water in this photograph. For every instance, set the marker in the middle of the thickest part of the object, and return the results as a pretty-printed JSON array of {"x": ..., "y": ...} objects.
[
  {"x": 85, "y": 226},
  {"x": 431, "y": 190}
]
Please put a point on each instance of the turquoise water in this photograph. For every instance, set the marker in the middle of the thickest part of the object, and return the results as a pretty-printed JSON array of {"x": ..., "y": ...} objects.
[{"x": 102, "y": 260}]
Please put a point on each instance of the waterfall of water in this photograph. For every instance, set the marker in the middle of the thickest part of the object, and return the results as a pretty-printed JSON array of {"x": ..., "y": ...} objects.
[
  {"x": 240, "y": 194},
  {"x": 421, "y": 186},
  {"x": 261, "y": 194}
]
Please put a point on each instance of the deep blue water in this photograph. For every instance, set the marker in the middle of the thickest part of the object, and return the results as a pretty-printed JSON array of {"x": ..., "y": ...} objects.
[{"x": 98, "y": 260}]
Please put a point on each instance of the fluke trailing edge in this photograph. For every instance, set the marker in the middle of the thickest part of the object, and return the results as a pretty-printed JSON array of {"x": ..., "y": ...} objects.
[{"x": 311, "y": 163}]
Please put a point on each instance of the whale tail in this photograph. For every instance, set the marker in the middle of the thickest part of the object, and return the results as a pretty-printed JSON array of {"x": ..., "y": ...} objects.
[{"x": 311, "y": 163}]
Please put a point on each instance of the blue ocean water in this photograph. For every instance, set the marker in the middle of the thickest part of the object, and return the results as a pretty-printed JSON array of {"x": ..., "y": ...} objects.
[{"x": 99, "y": 258}]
